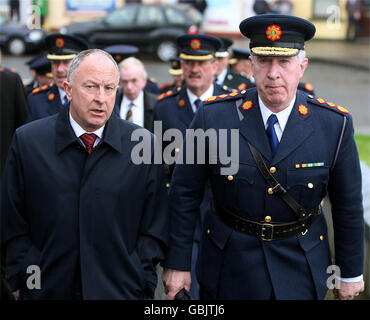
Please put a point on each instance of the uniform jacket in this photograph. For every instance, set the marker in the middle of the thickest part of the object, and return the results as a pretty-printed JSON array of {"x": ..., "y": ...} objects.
[
  {"x": 149, "y": 101},
  {"x": 234, "y": 265},
  {"x": 62, "y": 208},
  {"x": 237, "y": 81},
  {"x": 13, "y": 109},
  {"x": 43, "y": 102}
]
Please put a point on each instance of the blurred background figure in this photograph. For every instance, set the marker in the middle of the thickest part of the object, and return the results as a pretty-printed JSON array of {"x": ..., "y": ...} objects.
[
  {"x": 40, "y": 69},
  {"x": 240, "y": 63},
  {"x": 261, "y": 7},
  {"x": 178, "y": 78},
  {"x": 353, "y": 8},
  {"x": 225, "y": 76},
  {"x": 14, "y": 10},
  {"x": 284, "y": 7},
  {"x": 133, "y": 102},
  {"x": 43, "y": 7}
]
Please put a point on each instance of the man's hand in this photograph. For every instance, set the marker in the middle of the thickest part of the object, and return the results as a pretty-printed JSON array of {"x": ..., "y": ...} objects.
[
  {"x": 174, "y": 281},
  {"x": 348, "y": 290}
]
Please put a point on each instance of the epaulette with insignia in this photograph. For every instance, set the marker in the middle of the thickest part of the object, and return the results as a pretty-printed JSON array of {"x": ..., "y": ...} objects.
[
  {"x": 7, "y": 69},
  {"x": 328, "y": 105},
  {"x": 165, "y": 85},
  {"x": 40, "y": 89},
  {"x": 225, "y": 97},
  {"x": 169, "y": 93},
  {"x": 154, "y": 80}
]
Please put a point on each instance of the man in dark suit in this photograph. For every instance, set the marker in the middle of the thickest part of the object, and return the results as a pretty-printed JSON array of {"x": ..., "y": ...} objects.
[
  {"x": 67, "y": 198},
  {"x": 48, "y": 100},
  {"x": 133, "y": 102},
  {"x": 13, "y": 109},
  {"x": 176, "y": 109},
  {"x": 266, "y": 237}
]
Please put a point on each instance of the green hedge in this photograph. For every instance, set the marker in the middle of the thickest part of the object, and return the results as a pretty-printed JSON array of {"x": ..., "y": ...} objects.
[{"x": 363, "y": 145}]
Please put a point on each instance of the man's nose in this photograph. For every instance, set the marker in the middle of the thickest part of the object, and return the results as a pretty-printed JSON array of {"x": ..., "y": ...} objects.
[
  {"x": 100, "y": 95},
  {"x": 274, "y": 70}
]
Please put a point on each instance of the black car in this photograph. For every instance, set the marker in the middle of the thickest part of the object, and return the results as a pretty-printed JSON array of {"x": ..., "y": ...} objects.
[
  {"x": 18, "y": 39},
  {"x": 151, "y": 28}
]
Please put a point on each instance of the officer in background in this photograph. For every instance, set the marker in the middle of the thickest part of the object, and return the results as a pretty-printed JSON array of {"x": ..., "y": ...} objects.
[
  {"x": 48, "y": 100},
  {"x": 40, "y": 69},
  {"x": 178, "y": 78},
  {"x": 176, "y": 109},
  {"x": 225, "y": 76},
  {"x": 240, "y": 63},
  {"x": 266, "y": 237}
]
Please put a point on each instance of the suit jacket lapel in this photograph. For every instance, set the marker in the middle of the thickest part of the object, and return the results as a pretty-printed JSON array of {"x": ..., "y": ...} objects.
[
  {"x": 298, "y": 129},
  {"x": 148, "y": 110},
  {"x": 186, "y": 113},
  {"x": 55, "y": 104}
]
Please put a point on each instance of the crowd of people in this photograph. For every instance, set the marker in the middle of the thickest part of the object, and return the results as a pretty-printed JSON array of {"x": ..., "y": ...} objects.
[{"x": 99, "y": 226}]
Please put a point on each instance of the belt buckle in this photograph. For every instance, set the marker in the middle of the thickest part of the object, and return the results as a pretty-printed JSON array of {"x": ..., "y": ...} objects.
[{"x": 264, "y": 236}]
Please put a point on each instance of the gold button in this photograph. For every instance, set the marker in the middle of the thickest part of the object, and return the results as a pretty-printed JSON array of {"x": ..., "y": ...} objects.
[
  {"x": 167, "y": 185},
  {"x": 321, "y": 237},
  {"x": 243, "y": 91},
  {"x": 177, "y": 150},
  {"x": 208, "y": 231},
  {"x": 272, "y": 170},
  {"x": 269, "y": 190},
  {"x": 267, "y": 219},
  {"x": 310, "y": 185},
  {"x": 230, "y": 178}
]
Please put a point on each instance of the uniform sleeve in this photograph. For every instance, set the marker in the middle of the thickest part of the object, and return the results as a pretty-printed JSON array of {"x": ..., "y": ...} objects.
[
  {"x": 153, "y": 236},
  {"x": 345, "y": 195},
  {"x": 15, "y": 228},
  {"x": 186, "y": 194}
]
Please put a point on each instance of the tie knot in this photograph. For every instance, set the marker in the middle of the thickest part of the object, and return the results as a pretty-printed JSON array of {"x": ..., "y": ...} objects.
[
  {"x": 197, "y": 103},
  {"x": 272, "y": 120},
  {"x": 88, "y": 139},
  {"x": 65, "y": 101}
]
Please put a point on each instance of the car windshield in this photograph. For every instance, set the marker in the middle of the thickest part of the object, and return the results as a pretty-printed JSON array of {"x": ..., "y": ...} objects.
[
  {"x": 121, "y": 17},
  {"x": 152, "y": 16}
]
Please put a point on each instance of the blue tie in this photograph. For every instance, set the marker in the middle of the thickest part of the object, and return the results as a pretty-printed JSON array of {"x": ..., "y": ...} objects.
[
  {"x": 197, "y": 103},
  {"x": 271, "y": 134},
  {"x": 65, "y": 101}
]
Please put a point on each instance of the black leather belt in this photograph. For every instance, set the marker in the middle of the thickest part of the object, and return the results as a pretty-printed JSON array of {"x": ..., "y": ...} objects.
[{"x": 263, "y": 230}]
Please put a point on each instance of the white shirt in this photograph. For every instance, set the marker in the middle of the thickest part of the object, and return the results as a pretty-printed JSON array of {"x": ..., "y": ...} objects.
[
  {"x": 137, "y": 109},
  {"x": 192, "y": 97},
  {"x": 79, "y": 131},
  {"x": 282, "y": 117},
  {"x": 221, "y": 77}
]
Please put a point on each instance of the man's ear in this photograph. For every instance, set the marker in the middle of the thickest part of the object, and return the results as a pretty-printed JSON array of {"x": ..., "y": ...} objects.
[
  {"x": 68, "y": 89},
  {"x": 303, "y": 65}
]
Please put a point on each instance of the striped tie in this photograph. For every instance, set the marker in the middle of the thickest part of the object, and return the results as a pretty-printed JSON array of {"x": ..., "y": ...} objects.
[
  {"x": 129, "y": 112},
  {"x": 88, "y": 139}
]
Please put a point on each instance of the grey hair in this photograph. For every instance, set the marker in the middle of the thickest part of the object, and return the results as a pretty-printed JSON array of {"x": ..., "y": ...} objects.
[
  {"x": 301, "y": 55},
  {"x": 76, "y": 61},
  {"x": 128, "y": 62}
]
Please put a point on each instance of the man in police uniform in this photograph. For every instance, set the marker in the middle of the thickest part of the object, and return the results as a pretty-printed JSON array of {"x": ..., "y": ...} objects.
[
  {"x": 48, "y": 100},
  {"x": 266, "y": 237},
  {"x": 176, "y": 108},
  {"x": 225, "y": 75},
  {"x": 40, "y": 69}
]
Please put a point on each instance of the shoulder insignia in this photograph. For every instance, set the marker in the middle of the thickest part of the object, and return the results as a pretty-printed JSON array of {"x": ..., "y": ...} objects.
[
  {"x": 1, "y": 69},
  {"x": 181, "y": 103},
  {"x": 225, "y": 87},
  {"x": 229, "y": 96},
  {"x": 328, "y": 105},
  {"x": 36, "y": 90},
  {"x": 13, "y": 70},
  {"x": 165, "y": 85},
  {"x": 242, "y": 86},
  {"x": 51, "y": 96},
  {"x": 308, "y": 87},
  {"x": 153, "y": 80},
  {"x": 169, "y": 93}
]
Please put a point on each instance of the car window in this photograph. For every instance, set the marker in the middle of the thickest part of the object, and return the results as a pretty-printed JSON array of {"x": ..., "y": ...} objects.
[
  {"x": 149, "y": 15},
  {"x": 175, "y": 16},
  {"x": 122, "y": 17}
]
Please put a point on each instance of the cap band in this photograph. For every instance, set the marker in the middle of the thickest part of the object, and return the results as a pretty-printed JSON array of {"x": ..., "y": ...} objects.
[
  {"x": 191, "y": 57},
  {"x": 175, "y": 72},
  {"x": 222, "y": 54},
  {"x": 274, "y": 51},
  {"x": 61, "y": 57}
]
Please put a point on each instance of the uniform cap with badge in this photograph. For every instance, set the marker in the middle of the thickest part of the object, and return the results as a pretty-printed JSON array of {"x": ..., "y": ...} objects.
[
  {"x": 198, "y": 46},
  {"x": 239, "y": 54},
  {"x": 64, "y": 47},
  {"x": 41, "y": 65},
  {"x": 276, "y": 34},
  {"x": 120, "y": 52},
  {"x": 175, "y": 69},
  {"x": 223, "y": 52}
]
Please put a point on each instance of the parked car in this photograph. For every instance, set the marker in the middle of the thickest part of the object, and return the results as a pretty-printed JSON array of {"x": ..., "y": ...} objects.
[
  {"x": 17, "y": 39},
  {"x": 151, "y": 28}
]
